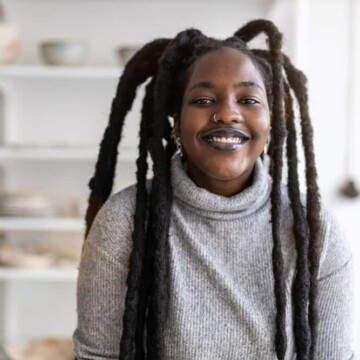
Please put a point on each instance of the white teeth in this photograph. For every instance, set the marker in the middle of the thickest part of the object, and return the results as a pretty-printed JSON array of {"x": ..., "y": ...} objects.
[{"x": 224, "y": 140}]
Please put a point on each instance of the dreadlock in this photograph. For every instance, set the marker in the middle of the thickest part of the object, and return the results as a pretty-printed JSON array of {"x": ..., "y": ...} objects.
[{"x": 168, "y": 62}]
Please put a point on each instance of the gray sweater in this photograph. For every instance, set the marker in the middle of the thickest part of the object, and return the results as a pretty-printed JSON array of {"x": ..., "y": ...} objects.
[{"x": 222, "y": 303}]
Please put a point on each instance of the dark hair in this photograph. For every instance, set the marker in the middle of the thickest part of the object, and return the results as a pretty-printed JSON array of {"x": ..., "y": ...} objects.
[{"x": 167, "y": 62}]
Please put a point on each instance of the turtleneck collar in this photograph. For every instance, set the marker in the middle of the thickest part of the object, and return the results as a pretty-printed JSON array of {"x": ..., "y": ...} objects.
[{"x": 215, "y": 206}]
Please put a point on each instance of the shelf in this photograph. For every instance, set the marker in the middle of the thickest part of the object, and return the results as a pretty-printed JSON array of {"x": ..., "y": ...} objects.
[
  {"x": 46, "y": 274},
  {"x": 67, "y": 153},
  {"x": 48, "y": 71},
  {"x": 18, "y": 223}
]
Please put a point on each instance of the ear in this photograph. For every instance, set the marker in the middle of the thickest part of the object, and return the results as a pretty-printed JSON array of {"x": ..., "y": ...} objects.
[{"x": 177, "y": 131}]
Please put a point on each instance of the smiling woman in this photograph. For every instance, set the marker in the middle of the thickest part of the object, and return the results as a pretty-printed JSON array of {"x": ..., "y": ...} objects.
[{"x": 213, "y": 258}]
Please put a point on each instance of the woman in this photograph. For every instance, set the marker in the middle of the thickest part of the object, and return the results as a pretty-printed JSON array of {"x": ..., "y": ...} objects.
[{"x": 213, "y": 258}]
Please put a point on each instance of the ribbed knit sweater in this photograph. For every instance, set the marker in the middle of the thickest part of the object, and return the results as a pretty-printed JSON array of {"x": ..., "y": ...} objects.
[{"x": 221, "y": 297}]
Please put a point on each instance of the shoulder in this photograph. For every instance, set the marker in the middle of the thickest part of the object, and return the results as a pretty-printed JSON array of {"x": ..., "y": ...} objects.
[
  {"x": 123, "y": 200},
  {"x": 111, "y": 230},
  {"x": 119, "y": 207}
]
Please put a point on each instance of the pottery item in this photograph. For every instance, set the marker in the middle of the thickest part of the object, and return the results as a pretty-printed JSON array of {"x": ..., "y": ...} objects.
[
  {"x": 126, "y": 53},
  {"x": 9, "y": 43},
  {"x": 54, "y": 348},
  {"x": 9, "y": 39},
  {"x": 63, "y": 53},
  {"x": 25, "y": 204},
  {"x": 11, "y": 256}
]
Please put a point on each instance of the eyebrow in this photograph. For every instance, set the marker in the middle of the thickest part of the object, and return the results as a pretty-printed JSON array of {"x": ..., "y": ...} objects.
[{"x": 210, "y": 85}]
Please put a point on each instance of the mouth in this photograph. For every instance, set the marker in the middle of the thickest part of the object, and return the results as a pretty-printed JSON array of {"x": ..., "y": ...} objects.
[{"x": 226, "y": 139}]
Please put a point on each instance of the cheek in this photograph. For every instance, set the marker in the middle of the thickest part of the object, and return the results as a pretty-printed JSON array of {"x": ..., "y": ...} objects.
[
  {"x": 191, "y": 123},
  {"x": 263, "y": 124},
  {"x": 188, "y": 132}
]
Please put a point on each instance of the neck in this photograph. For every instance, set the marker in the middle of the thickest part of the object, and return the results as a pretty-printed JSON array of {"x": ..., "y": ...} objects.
[{"x": 221, "y": 187}]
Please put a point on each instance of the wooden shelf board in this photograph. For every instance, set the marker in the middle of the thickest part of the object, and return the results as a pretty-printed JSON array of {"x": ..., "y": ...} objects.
[
  {"x": 46, "y": 274},
  {"x": 67, "y": 153},
  {"x": 18, "y": 223},
  {"x": 48, "y": 71}
]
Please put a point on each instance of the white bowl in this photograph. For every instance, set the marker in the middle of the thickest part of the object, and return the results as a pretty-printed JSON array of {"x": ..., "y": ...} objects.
[{"x": 63, "y": 53}]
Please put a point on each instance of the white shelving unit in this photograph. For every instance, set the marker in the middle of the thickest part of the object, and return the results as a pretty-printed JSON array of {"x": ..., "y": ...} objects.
[{"x": 36, "y": 136}]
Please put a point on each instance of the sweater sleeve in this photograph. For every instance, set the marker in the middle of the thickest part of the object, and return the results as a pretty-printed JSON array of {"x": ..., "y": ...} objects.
[
  {"x": 335, "y": 301},
  {"x": 101, "y": 285}
]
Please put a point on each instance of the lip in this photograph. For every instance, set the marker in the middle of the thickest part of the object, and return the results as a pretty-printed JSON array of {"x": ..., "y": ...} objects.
[{"x": 225, "y": 132}]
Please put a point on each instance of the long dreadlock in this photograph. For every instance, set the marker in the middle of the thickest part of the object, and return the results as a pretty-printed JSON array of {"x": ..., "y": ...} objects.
[{"x": 168, "y": 63}]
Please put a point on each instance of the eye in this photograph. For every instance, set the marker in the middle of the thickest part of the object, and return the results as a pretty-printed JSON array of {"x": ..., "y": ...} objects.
[
  {"x": 249, "y": 101},
  {"x": 202, "y": 101}
]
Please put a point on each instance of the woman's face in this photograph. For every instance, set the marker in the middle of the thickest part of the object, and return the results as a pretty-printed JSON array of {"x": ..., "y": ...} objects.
[{"x": 221, "y": 151}]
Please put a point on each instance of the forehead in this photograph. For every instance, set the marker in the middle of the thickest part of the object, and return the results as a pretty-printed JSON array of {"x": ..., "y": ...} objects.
[{"x": 224, "y": 65}]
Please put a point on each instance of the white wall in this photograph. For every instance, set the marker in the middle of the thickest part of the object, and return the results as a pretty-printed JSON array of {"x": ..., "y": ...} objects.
[
  {"x": 327, "y": 72},
  {"x": 327, "y": 67}
]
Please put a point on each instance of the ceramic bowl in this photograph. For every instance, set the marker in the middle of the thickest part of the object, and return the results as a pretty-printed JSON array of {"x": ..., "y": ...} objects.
[{"x": 63, "y": 53}]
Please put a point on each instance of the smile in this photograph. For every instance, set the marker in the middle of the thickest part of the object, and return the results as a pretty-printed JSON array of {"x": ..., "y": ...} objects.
[{"x": 226, "y": 139}]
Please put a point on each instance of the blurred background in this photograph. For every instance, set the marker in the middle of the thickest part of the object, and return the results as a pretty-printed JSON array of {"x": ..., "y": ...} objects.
[{"x": 60, "y": 62}]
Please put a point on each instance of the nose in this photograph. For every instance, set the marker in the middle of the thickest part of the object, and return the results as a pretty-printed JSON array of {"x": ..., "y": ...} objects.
[{"x": 226, "y": 114}]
